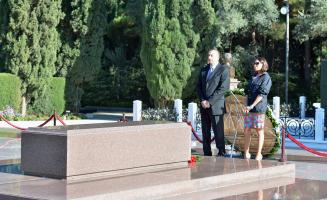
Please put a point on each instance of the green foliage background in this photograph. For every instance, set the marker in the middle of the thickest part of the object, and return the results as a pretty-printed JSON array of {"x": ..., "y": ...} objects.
[{"x": 112, "y": 52}]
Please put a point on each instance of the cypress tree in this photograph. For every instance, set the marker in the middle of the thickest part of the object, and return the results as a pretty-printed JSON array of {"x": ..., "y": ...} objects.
[
  {"x": 168, "y": 48},
  {"x": 205, "y": 23},
  {"x": 32, "y": 42},
  {"x": 68, "y": 51},
  {"x": 88, "y": 23}
]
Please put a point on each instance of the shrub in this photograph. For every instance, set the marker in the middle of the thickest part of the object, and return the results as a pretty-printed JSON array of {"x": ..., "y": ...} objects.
[
  {"x": 57, "y": 92},
  {"x": 10, "y": 91},
  {"x": 53, "y": 100},
  {"x": 162, "y": 114}
]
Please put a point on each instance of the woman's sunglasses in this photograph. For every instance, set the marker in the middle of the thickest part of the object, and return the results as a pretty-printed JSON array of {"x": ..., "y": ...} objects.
[{"x": 256, "y": 63}]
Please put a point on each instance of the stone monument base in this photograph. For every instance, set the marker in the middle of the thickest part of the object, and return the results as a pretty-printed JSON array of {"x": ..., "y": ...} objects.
[{"x": 113, "y": 149}]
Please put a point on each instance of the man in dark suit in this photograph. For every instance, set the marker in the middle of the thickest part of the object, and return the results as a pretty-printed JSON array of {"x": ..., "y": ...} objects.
[{"x": 212, "y": 85}]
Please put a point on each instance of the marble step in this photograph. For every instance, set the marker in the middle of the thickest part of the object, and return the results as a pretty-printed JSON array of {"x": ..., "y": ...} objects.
[{"x": 210, "y": 174}]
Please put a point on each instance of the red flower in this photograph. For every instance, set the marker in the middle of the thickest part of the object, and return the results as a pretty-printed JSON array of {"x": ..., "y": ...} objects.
[{"x": 193, "y": 159}]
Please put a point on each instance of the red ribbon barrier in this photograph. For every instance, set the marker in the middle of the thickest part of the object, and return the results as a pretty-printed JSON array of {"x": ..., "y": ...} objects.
[
  {"x": 47, "y": 121},
  {"x": 195, "y": 133},
  {"x": 41, "y": 125},
  {"x": 8, "y": 122},
  {"x": 305, "y": 147}
]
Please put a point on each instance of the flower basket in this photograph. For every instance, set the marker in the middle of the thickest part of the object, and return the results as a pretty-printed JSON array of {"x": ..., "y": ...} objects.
[{"x": 234, "y": 125}]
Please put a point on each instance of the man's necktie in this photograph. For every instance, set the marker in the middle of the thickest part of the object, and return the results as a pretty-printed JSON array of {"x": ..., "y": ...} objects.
[{"x": 209, "y": 73}]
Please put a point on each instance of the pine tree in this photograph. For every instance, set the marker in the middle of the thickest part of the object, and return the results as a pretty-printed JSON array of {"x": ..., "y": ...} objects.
[
  {"x": 248, "y": 15},
  {"x": 32, "y": 42},
  {"x": 313, "y": 23},
  {"x": 222, "y": 22},
  {"x": 311, "y": 28},
  {"x": 168, "y": 48}
]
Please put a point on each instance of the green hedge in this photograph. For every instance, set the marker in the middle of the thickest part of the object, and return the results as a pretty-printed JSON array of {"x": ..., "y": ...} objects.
[
  {"x": 53, "y": 100},
  {"x": 10, "y": 92}
]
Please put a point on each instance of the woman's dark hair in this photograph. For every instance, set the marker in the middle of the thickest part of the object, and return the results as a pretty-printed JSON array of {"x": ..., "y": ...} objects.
[{"x": 264, "y": 62}]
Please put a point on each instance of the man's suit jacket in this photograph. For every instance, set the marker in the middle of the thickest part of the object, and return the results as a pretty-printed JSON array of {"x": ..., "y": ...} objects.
[{"x": 213, "y": 89}]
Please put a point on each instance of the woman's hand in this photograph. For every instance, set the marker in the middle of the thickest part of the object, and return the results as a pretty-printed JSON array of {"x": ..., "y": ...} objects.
[{"x": 248, "y": 108}]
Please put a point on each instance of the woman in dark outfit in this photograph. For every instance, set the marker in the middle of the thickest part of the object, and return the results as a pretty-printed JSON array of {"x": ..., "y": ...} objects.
[{"x": 257, "y": 92}]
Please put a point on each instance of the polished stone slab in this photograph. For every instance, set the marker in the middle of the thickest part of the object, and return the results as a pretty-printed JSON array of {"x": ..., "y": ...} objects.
[
  {"x": 301, "y": 189},
  {"x": 238, "y": 191},
  {"x": 210, "y": 174},
  {"x": 79, "y": 151}
]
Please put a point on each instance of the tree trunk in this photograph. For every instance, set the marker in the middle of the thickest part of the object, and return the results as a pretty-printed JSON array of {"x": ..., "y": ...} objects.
[
  {"x": 307, "y": 51},
  {"x": 307, "y": 62},
  {"x": 24, "y": 106},
  {"x": 78, "y": 98},
  {"x": 253, "y": 37}
]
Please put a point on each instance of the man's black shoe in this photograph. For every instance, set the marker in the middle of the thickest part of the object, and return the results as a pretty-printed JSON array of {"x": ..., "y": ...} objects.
[{"x": 221, "y": 152}]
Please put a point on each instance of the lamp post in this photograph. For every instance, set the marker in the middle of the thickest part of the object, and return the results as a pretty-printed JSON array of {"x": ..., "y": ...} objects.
[{"x": 285, "y": 11}]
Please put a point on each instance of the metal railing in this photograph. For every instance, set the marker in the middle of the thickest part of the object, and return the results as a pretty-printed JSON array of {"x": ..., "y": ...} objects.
[{"x": 299, "y": 128}]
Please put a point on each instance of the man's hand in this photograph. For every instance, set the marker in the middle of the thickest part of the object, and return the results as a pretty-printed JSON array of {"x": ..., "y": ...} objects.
[{"x": 205, "y": 104}]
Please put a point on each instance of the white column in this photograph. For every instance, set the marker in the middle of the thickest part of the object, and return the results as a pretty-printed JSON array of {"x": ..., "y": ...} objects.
[
  {"x": 178, "y": 107},
  {"x": 316, "y": 105},
  {"x": 137, "y": 110},
  {"x": 302, "y": 106},
  {"x": 319, "y": 124},
  {"x": 191, "y": 115},
  {"x": 276, "y": 107}
]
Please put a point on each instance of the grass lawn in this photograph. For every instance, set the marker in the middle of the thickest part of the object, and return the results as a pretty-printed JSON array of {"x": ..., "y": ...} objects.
[{"x": 8, "y": 132}]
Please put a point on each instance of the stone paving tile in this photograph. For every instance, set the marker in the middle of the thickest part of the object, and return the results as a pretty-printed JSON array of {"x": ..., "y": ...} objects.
[
  {"x": 312, "y": 171},
  {"x": 9, "y": 148}
]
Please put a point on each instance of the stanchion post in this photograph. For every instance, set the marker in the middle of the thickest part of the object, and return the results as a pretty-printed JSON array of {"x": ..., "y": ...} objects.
[
  {"x": 283, "y": 155},
  {"x": 191, "y": 115},
  {"x": 302, "y": 101},
  {"x": 137, "y": 110},
  {"x": 319, "y": 125},
  {"x": 178, "y": 107},
  {"x": 55, "y": 119},
  {"x": 276, "y": 107}
]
